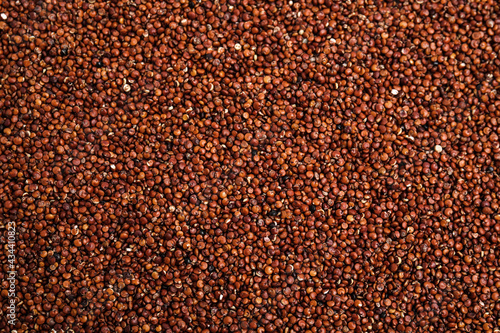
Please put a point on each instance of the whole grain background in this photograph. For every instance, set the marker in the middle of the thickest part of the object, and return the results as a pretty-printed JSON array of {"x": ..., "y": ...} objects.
[{"x": 251, "y": 166}]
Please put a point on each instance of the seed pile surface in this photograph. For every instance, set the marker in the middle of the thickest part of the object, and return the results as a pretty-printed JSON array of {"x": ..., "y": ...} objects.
[{"x": 250, "y": 166}]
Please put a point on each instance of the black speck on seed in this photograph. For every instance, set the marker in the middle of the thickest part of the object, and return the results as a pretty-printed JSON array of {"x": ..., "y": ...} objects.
[
  {"x": 211, "y": 268},
  {"x": 254, "y": 152},
  {"x": 273, "y": 225},
  {"x": 273, "y": 212},
  {"x": 490, "y": 169},
  {"x": 209, "y": 56},
  {"x": 312, "y": 208},
  {"x": 191, "y": 4},
  {"x": 340, "y": 127},
  {"x": 203, "y": 232},
  {"x": 187, "y": 261},
  {"x": 98, "y": 64},
  {"x": 64, "y": 52},
  {"x": 57, "y": 256}
]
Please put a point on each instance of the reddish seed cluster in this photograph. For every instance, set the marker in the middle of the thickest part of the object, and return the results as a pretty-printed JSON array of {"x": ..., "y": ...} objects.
[{"x": 251, "y": 166}]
